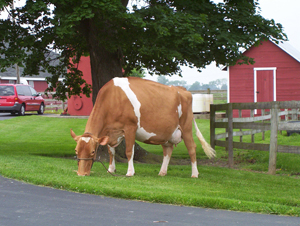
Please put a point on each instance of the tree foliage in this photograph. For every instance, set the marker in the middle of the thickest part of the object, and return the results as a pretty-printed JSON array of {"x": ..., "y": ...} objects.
[
  {"x": 213, "y": 85},
  {"x": 159, "y": 35},
  {"x": 140, "y": 73},
  {"x": 195, "y": 86}
]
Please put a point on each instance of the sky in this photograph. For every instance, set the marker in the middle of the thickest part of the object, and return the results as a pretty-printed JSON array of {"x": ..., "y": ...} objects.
[{"x": 285, "y": 12}]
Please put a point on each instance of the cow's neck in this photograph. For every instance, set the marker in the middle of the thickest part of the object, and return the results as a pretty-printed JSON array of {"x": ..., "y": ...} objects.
[{"x": 94, "y": 125}]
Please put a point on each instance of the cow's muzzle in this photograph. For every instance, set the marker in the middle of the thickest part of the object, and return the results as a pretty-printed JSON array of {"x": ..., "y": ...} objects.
[{"x": 84, "y": 170}]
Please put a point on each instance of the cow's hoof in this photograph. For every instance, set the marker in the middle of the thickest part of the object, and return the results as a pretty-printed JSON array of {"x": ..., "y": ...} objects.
[
  {"x": 111, "y": 170},
  {"x": 108, "y": 171},
  {"x": 162, "y": 174},
  {"x": 194, "y": 176},
  {"x": 129, "y": 175}
]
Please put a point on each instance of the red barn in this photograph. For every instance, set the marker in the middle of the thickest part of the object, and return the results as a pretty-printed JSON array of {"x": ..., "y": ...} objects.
[
  {"x": 275, "y": 75},
  {"x": 38, "y": 82},
  {"x": 82, "y": 105}
]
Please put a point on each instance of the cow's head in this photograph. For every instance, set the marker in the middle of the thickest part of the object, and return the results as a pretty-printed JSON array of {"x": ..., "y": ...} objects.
[{"x": 86, "y": 150}]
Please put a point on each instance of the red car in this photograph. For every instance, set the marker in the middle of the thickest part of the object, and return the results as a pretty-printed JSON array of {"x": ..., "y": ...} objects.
[{"x": 18, "y": 98}]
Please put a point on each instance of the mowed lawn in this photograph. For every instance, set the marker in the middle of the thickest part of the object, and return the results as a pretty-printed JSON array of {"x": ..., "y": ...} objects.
[{"x": 40, "y": 150}]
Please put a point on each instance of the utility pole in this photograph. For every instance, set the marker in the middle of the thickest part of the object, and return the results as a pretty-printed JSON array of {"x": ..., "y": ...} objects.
[
  {"x": 16, "y": 65},
  {"x": 18, "y": 74}
]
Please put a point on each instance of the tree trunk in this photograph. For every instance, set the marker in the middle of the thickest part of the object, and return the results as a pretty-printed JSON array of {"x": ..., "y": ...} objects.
[{"x": 105, "y": 65}]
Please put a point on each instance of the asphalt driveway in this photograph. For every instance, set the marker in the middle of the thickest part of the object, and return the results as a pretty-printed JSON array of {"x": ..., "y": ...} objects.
[
  {"x": 26, "y": 204},
  {"x": 4, "y": 116}
]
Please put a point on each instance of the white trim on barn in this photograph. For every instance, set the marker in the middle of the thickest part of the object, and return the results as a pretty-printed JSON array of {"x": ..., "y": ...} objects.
[
  {"x": 289, "y": 49},
  {"x": 228, "y": 86},
  {"x": 255, "y": 80},
  {"x": 27, "y": 78}
]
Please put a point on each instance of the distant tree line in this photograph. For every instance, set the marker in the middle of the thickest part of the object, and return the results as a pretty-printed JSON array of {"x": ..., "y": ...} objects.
[{"x": 220, "y": 84}]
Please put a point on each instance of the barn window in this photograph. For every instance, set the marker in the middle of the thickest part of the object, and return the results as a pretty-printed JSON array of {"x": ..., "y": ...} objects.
[{"x": 31, "y": 83}]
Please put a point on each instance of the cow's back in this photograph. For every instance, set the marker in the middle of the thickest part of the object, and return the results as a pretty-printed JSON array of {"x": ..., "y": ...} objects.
[
  {"x": 153, "y": 107},
  {"x": 160, "y": 108}
]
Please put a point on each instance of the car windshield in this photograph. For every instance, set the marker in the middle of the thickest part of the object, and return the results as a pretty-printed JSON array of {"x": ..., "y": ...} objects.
[{"x": 7, "y": 91}]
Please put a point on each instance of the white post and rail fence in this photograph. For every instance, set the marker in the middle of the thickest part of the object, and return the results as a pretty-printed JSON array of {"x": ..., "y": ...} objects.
[
  {"x": 264, "y": 116},
  {"x": 52, "y": 104}
]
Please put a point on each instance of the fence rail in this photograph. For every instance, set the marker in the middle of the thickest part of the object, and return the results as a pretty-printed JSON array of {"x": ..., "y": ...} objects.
[
  {"x": 218, "y": 94},
  {"x": 52, "y": 104},
  {"x": 270, "y": 118}
]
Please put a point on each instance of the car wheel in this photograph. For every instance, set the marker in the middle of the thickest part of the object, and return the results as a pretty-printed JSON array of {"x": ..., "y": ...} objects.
[
  {"x": 42, "y": 108},
  {"x": 22, "y": 110}
]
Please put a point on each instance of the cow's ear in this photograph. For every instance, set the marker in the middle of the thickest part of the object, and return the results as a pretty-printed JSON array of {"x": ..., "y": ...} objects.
[
  {"x": 74, "y": 136},
  {"x": 103, "y": 140}
]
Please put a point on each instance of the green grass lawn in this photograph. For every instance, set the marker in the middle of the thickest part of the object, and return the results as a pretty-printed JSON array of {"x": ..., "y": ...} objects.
[{"x": 32, "y": 149}]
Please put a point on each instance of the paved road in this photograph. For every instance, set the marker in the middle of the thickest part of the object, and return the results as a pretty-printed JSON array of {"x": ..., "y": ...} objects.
[
  {"x": 24, "y": 204},
  {"x": 4, "y": 116}
]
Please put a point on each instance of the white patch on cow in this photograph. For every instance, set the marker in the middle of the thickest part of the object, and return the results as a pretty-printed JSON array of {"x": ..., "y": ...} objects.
[
  {"x": 195, "y": 172},
  {"x": 176, "y": 136},
  {"x": 85, "y": 139},
  {"x": 112, "y": 150},
  {"x": 141, "y": 133},
  {"x": 164, "y": 166},
  {"x": 130, "y": 170},
  {"x": 112, "y": 167},
  {"x": 179, "y": 110},
  {"x": 119, "y": 140}
]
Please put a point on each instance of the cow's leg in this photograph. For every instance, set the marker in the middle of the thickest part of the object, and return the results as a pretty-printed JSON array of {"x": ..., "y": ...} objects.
[
  {"x": 191, "y": 146},
  {"x": 130, "y": 139},
  {"x": 167, "y": 156},
  {"x": 112, "y": 164},
  {"x": 130, "y": 155}
]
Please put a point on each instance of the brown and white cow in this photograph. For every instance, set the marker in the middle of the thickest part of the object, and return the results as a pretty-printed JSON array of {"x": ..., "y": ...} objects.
[{"x": 143, "y": 110}]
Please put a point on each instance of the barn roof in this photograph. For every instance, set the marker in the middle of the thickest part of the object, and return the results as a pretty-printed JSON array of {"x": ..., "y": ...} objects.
[
  {"x": 286, "y": 47},
  {"x": 289, "y": 49},
  {"x": 11, "y": 71}
]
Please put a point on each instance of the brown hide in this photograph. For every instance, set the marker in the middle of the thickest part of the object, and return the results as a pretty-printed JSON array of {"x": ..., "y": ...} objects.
[
  {"x": 134, "y": 108},
  {"x": 159, "y": 109}
]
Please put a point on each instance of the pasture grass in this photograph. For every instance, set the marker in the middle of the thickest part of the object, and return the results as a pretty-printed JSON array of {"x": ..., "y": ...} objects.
[
  {"x": 220, "y": 98},
  {"x": 32, "y": 149}
]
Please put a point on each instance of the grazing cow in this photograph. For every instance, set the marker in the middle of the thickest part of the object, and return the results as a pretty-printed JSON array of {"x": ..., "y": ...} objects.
[{"x": 143, "y": 110}]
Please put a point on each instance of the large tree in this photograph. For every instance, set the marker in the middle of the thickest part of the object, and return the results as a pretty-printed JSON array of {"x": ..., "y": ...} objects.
[{"x": 159, "y": 35}]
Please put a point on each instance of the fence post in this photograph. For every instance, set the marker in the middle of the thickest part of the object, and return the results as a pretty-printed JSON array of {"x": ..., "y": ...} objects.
[
  {"x": 263, "y": 132},
  {"x": 212, "y": 125},
  {"x": 252, "y": 135},
  {"x": 240, "y": 116},
  {"x": 230, "y": 136},
  {"x": 273, "y": 139}
]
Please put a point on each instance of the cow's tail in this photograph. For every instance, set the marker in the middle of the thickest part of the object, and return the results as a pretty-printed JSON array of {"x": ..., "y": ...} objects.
[{"x": 209, "y": 151}]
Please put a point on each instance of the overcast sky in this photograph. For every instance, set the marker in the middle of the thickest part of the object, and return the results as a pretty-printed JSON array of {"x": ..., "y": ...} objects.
[{"x": 285, "y": 12}]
